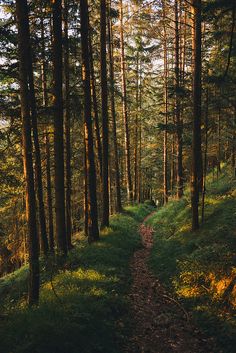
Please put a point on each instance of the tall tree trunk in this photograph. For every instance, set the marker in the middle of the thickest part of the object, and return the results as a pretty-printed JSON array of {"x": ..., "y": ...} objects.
[
  {"x": 219, "y": 143},
  {"x": 58, "y": 128},
  {"x": 205, "y": 158},
  {"x": 233, "y": 159},
  {"x": 67, "y": 127},
  {"x": 105, "y": 127},
  {"x": 47, "y": 148},
  {"x": 125, "y": 109},
  {"x": 38, "y": 174},
  {"x": 38, "y": 164},
  {"x": 165, "y": 151},
  {"x": 173, "y": 168},
  {"x": 23, "y": 46},
  {"x": 140, "y": 176},
  {"x": 136, "y": 137},
  {"x": 93, "y": 232},
  {"x": 196, "y": 174},
  {"x": 113, "y": 115},
  {"x": 49, "y": 193},
  {"x": 179, "y": 123},
  {"x": 85, "y": 190},
  {"x": 95, "y": 107}
]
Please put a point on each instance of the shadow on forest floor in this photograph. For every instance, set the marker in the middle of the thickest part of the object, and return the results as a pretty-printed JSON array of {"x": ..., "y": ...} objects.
[{"x": 83, "y": 304}]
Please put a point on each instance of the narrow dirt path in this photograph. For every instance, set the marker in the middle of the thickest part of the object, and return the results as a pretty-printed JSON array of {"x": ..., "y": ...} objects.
[{"x": 160, "y": 324}]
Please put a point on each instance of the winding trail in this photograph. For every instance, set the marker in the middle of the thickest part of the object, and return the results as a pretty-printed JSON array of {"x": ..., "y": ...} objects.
[{"x": 160, "y": 323}]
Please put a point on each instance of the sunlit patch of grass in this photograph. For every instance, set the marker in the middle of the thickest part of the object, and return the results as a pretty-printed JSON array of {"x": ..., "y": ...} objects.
[
  {"x": 198, "y": 267},
  {"x": 189, "y": 292},
  {"x": 213, "y": 201},
  {"x": 185, "y": 228},
  {"x": 83, "y": 300}
]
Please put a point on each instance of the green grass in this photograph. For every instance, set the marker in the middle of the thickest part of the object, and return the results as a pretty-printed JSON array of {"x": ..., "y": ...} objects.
[
  {"x": 197, "y": 266},
  {"x": 87, "y": 310}
]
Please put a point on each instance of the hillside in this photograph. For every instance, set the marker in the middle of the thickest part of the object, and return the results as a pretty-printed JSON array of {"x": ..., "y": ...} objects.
[{"x": 199, "y": 268}]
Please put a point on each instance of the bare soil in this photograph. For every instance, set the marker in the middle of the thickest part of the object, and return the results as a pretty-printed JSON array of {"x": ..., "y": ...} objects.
[{"x": 160, "y": 323}]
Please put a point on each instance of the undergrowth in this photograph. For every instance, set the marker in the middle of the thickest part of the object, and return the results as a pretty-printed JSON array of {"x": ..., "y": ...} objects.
[
  {"x": 198, "y": 267},
  {"x": 83, "y": 303}
]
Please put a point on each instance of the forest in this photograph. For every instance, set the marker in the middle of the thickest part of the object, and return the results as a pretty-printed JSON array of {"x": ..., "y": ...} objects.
[{"x": 117, "y": 176}]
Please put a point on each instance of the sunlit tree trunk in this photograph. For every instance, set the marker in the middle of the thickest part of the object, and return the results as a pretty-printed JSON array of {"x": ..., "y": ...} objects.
[
  {"x": 95, "y": 107},
  {"x": 23, "y": 46},
  {"x": 105, "y": 127},
  {"x": 37, "y": 153}
]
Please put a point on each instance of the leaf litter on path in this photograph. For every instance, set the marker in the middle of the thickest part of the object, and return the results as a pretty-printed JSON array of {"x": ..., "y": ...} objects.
[{"x": 160, "y": 324}]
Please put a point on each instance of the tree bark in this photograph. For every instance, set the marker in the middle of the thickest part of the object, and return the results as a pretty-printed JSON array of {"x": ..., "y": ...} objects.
[
  {"x": 140, "y": 176},
  {"x": 47, "y": 149},
  {"x": 95, "y": 107},
  {"x": 136, "y": 134},
  {"x": 233, "y": 159},
  {"x": 93, "y": 232},
  {"x": 113, "y": 114},
  {"x": 58, "y": 128},
  {"x": 23, "y": 47},
  {"x": 179, "y": 123},
  {"x": 37, "y": 153},
  {"x": 38, "y": 163},
  {"x": 125, "y": 110},
  {"x": 105, "y": 127},
  {"x": 85, "y": 190},
  {"x": 67, "y": 128},
  {"x": 219, "y": 143},
  {"x": 165, "y": 141},
  {"x": 205, "y": 158},
  {"x": 196, "y": 174},
  {"x": 49, "y": 193}
]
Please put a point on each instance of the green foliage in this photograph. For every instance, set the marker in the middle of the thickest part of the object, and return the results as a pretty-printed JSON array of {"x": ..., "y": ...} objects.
[
  {"x": 198, "y": 267},
  {"x": 150, "y": 203},
  {"x": 86, "y": 311}
]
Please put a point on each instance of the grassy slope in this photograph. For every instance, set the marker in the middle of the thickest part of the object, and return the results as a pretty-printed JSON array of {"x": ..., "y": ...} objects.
[
  {"x": 197, "y": 267},
  {"x": 87, "y": 311}
]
